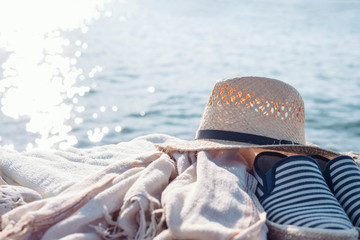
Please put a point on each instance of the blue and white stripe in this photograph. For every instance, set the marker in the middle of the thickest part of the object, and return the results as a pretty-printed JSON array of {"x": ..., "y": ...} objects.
[
  {"x": 300, "y": 196},
  {"x": 259, "y": 190},
  {"x": 343, "y": 176}
]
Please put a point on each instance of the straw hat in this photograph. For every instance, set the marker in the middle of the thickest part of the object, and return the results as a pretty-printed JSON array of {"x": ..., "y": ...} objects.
[{"x": 252, "y": 112}]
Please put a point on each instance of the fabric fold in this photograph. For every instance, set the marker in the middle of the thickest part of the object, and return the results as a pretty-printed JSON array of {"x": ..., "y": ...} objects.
[
  {"x": 138, "y": 194},
  {"x": 213, "y": 199}
]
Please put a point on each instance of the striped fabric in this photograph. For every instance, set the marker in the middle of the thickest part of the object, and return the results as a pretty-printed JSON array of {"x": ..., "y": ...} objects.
[
  {"x": 294, "y": 192},
  {"x": 343, "y": 177},
  {"x": 260, "y": 188}
]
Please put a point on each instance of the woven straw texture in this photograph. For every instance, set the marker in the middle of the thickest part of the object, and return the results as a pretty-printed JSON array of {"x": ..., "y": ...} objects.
[
  {"x": 290, "y": 232},
  {"x": 260, "y": 106}
]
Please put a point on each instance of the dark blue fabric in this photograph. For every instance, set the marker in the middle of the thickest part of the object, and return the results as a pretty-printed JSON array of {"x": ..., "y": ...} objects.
[
  {"x": 347, "y": 186},
  {"x": 241, "y": 137},
  {"x": 299, "y": 194}
]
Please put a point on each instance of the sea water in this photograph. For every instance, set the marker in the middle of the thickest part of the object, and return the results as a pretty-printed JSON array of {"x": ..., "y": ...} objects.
[{"x": 85, "y": 73}]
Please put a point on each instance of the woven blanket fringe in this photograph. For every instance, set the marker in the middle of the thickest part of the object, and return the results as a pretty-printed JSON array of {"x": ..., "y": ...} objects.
[
  {"x": 150, "y": 220},
  {"x": 34, "y": 222}
]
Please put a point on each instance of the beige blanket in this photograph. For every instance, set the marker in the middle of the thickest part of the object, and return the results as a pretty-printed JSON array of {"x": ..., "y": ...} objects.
[{"x": 129, "y": 191}]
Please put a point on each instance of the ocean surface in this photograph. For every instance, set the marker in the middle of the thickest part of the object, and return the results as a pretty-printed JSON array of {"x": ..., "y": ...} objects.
[{"x": 93, "y": 72}]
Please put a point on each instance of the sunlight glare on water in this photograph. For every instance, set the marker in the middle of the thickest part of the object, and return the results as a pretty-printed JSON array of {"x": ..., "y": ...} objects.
[
  {"x": 87, "y": 73},
  {"x": 38, "y": 78}
]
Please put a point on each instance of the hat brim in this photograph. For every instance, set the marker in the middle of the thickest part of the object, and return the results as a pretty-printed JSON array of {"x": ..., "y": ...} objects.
[{"x": 212, "y": 144}]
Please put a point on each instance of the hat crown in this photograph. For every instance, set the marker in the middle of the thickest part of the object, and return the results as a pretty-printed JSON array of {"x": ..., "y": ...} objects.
[{"x": 258, "y": 106}]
